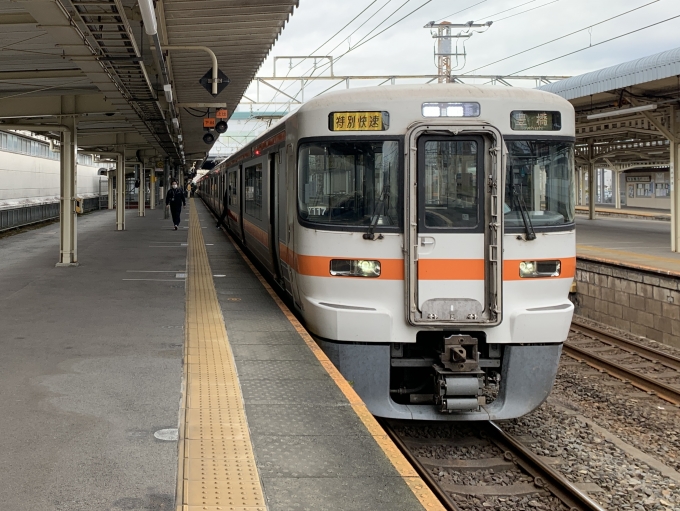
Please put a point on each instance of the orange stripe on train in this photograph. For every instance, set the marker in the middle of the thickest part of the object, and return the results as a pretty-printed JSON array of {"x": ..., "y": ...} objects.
[
  {"x": 428, "y": 269},
  {"x": 256, "y": 232}
]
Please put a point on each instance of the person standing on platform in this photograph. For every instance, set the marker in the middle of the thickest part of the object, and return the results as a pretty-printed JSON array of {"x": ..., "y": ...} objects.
[
  {"x": 174, "y": 200},
  {"x": 225, "y": 207}
]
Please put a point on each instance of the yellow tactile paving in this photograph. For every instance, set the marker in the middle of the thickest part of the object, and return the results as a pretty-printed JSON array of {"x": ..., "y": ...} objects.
[
  {"x": 422, "y": 492},
  {"x": 217, "y": 465}
]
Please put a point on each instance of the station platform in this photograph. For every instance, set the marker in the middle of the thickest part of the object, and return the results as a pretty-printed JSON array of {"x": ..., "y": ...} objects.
[
  {"x": 624, "y": 212},
  {"x": 632, "y": 242},
  {"x": 164, "y": 374}
]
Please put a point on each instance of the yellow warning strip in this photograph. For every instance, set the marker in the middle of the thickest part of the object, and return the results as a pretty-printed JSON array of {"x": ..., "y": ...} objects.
[
  {"x": 422, "y": 492},
  {"x": 217, "y": 468}
]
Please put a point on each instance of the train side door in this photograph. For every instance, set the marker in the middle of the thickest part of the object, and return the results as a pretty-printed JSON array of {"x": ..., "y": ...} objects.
[
  {"x": 454, "y": 276},
  {"x": 273, "y": 213},
  {"x": 291, "y": 220}
]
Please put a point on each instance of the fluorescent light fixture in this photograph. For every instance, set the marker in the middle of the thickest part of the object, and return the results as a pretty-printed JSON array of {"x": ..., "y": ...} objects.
[
  {"x": 168, "y": 92},
  {"x": 175, "y": 122},
  {"x": 148, "y": 16},
  {"x": 622, "y": 111},
  {"x": 179, "y": 137}
]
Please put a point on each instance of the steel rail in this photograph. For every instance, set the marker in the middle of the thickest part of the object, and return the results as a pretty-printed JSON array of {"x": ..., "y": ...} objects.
[
  {"x": 443, "y": 497},
  {"x": 662, "y": 390},
  {"x": 635, "y": 347},
  {"x": 545, "y": 477}
]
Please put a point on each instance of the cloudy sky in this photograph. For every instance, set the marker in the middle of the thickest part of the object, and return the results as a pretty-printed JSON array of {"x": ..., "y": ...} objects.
[{"x": 518, "y": 25}]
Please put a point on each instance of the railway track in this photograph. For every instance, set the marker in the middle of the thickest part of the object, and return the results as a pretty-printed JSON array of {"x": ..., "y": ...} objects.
[
  {"x": 658, "y": 372},
  {"x": 515, "y": 455}
]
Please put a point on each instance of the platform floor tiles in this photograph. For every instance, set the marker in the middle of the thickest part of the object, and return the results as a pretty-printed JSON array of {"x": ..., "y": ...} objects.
[
  {"x": 312, "y": 449},
  {"x": 91, "y": 366}
]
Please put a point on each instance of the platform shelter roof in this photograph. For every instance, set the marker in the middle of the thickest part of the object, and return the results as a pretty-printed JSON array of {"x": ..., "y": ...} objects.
[
  {"x": 95, "y": 59},
  {"x": 626, "y": 115}
]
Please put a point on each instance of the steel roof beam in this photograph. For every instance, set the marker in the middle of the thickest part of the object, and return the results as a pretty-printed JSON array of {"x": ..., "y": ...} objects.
[
  {"x": 17, "y": 18},
  {"x": 37, "y": 74},
  {"x": 51, "y": 106}
]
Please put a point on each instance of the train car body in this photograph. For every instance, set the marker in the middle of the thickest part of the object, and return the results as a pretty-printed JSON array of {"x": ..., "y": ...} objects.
[{"x": 425, "y": 234}]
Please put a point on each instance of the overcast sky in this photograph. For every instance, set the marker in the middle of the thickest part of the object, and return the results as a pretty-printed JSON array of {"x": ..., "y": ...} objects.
[{"x": 407, "y": 47}]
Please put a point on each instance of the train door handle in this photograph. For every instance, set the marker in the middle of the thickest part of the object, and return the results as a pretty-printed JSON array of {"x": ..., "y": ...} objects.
[{"x": 427, "y": 244}]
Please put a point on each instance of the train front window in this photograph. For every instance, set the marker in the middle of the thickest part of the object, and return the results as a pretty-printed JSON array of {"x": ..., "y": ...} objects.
[
  {"x": 540, "y": 181},
  {"x": 349, "y": 183}
]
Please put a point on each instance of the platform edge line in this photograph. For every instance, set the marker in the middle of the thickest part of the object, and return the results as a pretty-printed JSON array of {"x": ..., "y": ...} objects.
[{"x": 414, "y": 482}]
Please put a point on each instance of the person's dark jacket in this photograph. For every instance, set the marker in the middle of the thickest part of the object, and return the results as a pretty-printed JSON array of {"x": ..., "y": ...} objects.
[
  {"x": 225, "y": 199},
  {"x": 175, "y": 198}
]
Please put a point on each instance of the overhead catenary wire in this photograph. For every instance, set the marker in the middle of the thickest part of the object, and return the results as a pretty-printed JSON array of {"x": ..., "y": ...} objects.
[
  {"x": 462, "y": 10},
  {"x": 338, "y": 32},
  {"x": 561, "y": 37},
  {"x": 283, "y": 89},
  {"x": 528, "y": 10},
  {"x": 360, "y": 43},
  {"x": 506, "y": 10},
  {"x": 597, "y": 44}
]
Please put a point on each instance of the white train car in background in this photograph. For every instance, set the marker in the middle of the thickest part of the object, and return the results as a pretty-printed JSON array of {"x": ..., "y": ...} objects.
[
  {"x": 29, "y": 172},
  {"x": 425, "y": 234}
]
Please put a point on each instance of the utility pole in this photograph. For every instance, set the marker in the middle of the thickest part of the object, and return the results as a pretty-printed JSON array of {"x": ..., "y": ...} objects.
[{"x": 443, "y": 33}]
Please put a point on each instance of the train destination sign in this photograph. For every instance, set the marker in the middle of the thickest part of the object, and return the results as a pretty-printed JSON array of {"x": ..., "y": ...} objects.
[
  {"x": 358, "y": 121},
  {"x": 531, "y": 120}
]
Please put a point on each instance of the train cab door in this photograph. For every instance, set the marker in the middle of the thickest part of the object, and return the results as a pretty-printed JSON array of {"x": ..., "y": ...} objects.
[
  {"x": 273, "y": 196},
  {"x": 454, "y": 275},
  {"x": 291, "y": 222}
]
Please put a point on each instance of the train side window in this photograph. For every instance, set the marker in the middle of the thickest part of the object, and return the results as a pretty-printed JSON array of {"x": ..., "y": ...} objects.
[
  {"x": 253, "y": 197},
  {"x": 233, "y": 189}
]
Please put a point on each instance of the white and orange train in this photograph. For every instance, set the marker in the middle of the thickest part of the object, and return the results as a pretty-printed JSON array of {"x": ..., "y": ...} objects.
[{"x": 425, "y": 234}]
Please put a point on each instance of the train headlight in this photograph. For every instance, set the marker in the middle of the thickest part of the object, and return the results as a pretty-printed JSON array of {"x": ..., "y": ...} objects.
[
  {"x": 533, "y": 269},
  {"x": 355, "y": 268},
  {"x": 451, "y": 109}
]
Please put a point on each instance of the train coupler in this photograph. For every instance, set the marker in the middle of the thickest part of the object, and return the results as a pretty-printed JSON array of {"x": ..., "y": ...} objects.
[{"x": 459, "y": 381}]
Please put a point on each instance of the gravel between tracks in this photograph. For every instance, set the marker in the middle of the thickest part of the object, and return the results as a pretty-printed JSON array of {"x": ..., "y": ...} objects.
[
  {"x": 473, "y": 447},
  {"x": 581, "y": 454},
  {"x": 627, "y": 335},
  {"x": 587, "y": 457}
]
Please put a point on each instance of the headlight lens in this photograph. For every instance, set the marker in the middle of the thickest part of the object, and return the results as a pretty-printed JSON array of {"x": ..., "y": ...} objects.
[
  {"x": 355, "y": 268},
  {"x": 533, "y": 269}
]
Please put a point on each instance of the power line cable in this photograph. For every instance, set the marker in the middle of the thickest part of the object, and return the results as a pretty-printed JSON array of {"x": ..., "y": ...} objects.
[
  {"x": 343, "y": 28},
  {"x": 528, "y": 10},
  {"x": 362, "y": 42},
  {"x": 561, "y": 37},
  {"x": 369, "y": 19},
  {"x": 359, "y": 43},
  {"x": 323, "y": 44},
  {"x": 314, "y": 68},
  {"x": 458, "y": 12},
  {"x": 597, "y": 44},
  {"x": 502, "y": 12}
]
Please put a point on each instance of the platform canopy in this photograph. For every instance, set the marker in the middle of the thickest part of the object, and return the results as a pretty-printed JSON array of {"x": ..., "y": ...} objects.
[
  {"x": 95, "y": 59},
  {"x": 627, "y": 117}
]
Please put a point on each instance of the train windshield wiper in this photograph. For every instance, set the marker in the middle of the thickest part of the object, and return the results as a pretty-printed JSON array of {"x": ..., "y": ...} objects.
[
  {"x": 378, "y": 210},
  {"x": 528, "y": 227}
]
